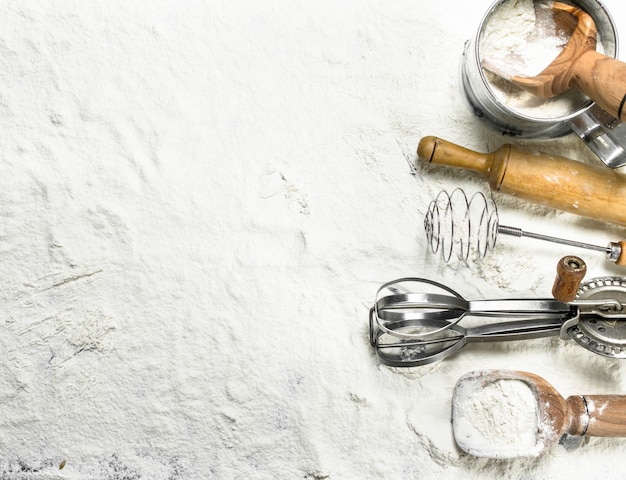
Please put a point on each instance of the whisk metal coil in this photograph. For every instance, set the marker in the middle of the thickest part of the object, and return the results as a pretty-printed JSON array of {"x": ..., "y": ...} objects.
[{"x": 456, "y": 224}]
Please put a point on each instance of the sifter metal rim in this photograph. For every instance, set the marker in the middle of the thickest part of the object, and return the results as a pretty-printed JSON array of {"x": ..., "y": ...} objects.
[{"x": 606, "y": 337}]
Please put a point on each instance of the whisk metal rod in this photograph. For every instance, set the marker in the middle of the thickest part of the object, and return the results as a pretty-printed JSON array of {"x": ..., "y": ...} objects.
[{"x": 518, "y": 232}]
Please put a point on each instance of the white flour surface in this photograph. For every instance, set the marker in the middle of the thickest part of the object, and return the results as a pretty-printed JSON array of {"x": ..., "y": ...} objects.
[{"x": 198, "y": 201}]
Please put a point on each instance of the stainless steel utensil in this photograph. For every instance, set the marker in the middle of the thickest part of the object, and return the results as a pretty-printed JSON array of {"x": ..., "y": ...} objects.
[
  {"x": 456, "y": 224},
  {"x": 601, "y": 132},
  {"x": 411, "y": 326}
]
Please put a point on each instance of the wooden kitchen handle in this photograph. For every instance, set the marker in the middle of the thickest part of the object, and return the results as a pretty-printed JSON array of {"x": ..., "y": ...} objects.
[
  {"x": 598, "y": 415},
  {"x": 569, "y": 273},
  {"x": 603, "y": 79},
  {"x": 436, "y": 151}
]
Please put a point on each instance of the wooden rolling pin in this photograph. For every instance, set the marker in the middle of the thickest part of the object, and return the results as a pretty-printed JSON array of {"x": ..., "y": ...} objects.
[{"x": 587, "y": 190}]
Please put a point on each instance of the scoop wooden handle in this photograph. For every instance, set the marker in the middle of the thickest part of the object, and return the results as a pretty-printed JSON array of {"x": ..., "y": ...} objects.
[
  {"x": 557, "y": 182},
  {"x": 598, "y": 415},
  {"x": 604, "y": 80}
]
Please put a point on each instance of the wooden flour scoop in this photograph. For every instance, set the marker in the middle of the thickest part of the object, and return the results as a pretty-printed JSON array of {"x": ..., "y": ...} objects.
[
  {"x": 578, "y": 65},
  {"x": 548, "y": 419}
]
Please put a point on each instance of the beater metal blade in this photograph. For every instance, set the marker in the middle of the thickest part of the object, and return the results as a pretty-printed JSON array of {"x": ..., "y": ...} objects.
[{"x": 425, "y": 350}]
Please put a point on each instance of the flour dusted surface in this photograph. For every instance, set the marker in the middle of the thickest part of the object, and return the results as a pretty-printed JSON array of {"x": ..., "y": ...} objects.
[{"x": 198, "y": 201}]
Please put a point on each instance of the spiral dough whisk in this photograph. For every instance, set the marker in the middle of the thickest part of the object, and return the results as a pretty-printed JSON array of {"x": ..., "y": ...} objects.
[{"x": 460, "y": 226}]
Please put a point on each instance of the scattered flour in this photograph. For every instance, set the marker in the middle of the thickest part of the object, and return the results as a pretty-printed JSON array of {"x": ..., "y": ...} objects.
[
  {"x": 495, "y": 418},
  {"x": 522, "y": 40},
  {"x": 198, "y": 202}
]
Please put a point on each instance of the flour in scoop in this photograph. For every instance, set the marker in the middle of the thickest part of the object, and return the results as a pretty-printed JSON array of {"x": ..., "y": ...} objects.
[
  {"x": 521, "y": 38},
  {"x": 496, "y": 419}
]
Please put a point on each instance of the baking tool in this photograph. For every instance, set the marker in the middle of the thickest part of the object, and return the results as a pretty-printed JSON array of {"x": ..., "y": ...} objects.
[
  {"x": 575, "y": 187},
  {"x": 453, "y": 337},
  {"x": 599, "y": 333},
  {"x": 601, "y": 132},
  {"x": 456, "y": 224},
  {"x": 556, "y": 416},
  {"x": 570, "y": 271},
  {"x": 578, "y": 65},
  {"x": 415, "y": 321}
]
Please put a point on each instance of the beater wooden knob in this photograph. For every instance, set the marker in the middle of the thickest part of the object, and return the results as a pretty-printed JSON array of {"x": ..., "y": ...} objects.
[{"x": 569, "y": 273}]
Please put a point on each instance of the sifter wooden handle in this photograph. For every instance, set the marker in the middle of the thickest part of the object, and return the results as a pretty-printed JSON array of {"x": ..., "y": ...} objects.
[
  {"x": 569, "y": 273},
  {"x": 604, "y": 80},
  {"x": 598, "y": 415}
]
